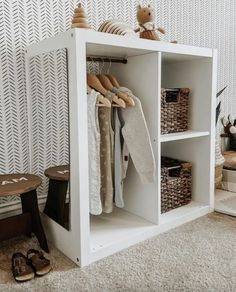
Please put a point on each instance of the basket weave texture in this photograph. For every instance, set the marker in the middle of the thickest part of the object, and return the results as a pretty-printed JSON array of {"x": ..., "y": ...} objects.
[
  {"x": 176, "y": 181},
  {"x": 174, "y": 110},
  {"x": 218, "y": 176}
]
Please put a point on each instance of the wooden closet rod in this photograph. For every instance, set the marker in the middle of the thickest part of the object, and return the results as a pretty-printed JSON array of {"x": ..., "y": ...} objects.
[{"x": 106, "y": 59}]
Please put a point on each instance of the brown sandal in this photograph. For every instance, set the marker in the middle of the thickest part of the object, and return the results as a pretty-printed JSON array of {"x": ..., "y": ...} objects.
[
  {"x": 21, "y": 269},
  {"x": 40, "y": 264}
]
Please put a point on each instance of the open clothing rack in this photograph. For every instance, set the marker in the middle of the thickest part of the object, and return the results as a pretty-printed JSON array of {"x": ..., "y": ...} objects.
[
  {"x": 150, "y": 66},
  {"x": 106, "y": 59}
]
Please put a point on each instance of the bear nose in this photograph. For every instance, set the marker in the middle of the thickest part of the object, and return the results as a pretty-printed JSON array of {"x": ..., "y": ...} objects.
[{"x": 149, "y": 13}]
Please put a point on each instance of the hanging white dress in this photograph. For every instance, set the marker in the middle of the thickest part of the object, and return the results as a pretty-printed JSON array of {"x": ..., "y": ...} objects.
[{"x": 95, "y": 205}]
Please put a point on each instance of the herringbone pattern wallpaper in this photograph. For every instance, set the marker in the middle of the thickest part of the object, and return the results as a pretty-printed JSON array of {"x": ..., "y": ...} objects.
[
  {"x": 209, "y": 23},
  {"x": 50, "y": 112}
]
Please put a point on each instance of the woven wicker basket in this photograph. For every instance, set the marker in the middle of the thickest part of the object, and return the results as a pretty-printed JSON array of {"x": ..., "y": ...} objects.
[
  {"x": 176, "y": 183},
  {"x": 218, "y": 176},
  {"x": 174, "y": 110},
  {"x": 219, "y": 161}
]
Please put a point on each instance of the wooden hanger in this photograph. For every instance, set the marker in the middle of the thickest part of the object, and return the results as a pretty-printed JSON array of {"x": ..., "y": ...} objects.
[
  {"x": 113, "y": 80},
  {"x": 114, "y": 83},
  {"x": 95, "y": 83},
  {"x": 118, "y": 102},
  {"x": 101, "y": 100},
  {"x": 105, "y": 81}
]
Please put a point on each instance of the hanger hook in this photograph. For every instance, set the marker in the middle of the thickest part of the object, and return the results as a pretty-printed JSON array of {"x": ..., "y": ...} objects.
[
  {"x": 109, "y": 66},
  {"x": 92, "y": 63},
  {"x": 103, "y": 63}
]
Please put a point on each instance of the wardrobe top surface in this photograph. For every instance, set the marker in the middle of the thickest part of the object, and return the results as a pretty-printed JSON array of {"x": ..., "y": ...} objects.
[
  {"x": 99, "y": 43},
  {"x": 139, "y": 46}
]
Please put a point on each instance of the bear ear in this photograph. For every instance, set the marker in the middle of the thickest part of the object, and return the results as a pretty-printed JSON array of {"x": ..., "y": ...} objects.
[{"x": 139, "y": 7}]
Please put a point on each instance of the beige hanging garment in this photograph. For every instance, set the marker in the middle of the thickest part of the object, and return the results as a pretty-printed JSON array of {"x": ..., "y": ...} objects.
[
  {"x": 94, "y": 139},
  {"x": 106, "y": 156}
]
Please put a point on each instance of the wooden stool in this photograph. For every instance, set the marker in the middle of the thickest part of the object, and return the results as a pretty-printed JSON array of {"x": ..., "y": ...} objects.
[
  {"x": 56, "y": 207},
  {"x": 29, "y": 221}
]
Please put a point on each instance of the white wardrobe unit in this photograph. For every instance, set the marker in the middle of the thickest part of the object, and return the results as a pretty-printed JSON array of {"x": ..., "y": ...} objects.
[{"x": 150, "y": 66}]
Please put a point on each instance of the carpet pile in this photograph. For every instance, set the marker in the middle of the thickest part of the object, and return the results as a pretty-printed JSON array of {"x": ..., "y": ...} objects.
[{"x": 198, "y": 256}]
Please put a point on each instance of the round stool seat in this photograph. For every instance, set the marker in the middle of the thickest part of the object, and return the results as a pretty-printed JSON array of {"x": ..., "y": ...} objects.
[
  {"x": 15, "y": 184},
  {"x": 29, "y": 220},
  {"x": 60, "y": 173}
]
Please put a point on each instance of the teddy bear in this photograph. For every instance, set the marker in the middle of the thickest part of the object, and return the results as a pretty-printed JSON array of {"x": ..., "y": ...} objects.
[{"x": 146, "y": 19}]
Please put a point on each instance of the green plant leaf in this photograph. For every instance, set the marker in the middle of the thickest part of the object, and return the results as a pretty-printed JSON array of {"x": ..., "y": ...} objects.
[
  {"x": 218, "y": 111},
  {"x": 218, "y": 108},
  {"x": 221, "y": 91}
]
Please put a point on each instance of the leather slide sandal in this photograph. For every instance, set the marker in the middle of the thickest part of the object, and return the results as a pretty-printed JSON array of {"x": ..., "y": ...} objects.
[
  {"x": 21, "y": 269},
  {"x": 40, "y": 264}
]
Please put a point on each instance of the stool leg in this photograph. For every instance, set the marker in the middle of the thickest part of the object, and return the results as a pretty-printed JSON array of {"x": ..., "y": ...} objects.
[
  {"x": 30, "y": 205},
  {"x": 56, "y": 201}
]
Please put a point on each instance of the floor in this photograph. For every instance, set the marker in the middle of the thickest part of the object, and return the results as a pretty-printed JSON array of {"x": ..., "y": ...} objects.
[
  {"x": 198, "y": 256},
  {"x": 225, "y": 202}
]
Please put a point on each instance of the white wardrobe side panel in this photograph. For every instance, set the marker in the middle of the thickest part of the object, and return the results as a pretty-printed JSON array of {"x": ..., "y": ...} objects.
[
  {"x": 79, "y": 154},
  {"x": 74, "y": 242},
  {"x": 142, "y": 75}
]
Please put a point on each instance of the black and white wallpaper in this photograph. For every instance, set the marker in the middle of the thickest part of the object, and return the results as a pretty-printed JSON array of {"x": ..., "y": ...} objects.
[{"x": 209, "y": 23}]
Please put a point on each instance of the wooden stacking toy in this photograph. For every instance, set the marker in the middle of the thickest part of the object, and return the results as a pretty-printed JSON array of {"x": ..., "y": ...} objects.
[
  {"x": 116, "y": 26},
  {"x": 80, "y": 18}
]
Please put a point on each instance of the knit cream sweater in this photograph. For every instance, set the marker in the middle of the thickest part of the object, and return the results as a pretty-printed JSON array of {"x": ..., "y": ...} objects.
[{"x": 137, "y": 138}]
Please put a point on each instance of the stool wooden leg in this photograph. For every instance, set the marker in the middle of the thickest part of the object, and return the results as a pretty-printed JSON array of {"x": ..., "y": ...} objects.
[
  {"x": 30, "y": 205},
  {"x": 56, "y": 201}
]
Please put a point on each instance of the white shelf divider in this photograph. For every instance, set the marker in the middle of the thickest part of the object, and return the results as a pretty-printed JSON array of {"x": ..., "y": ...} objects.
[
  {"x": 108, "y": 229},
  {"x": 183, "y": 135},
  {"x": 193, "y": 208}
]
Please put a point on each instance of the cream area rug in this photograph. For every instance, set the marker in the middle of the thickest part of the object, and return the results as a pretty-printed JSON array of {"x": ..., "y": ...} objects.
[{"x": 198, "y": 256}]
